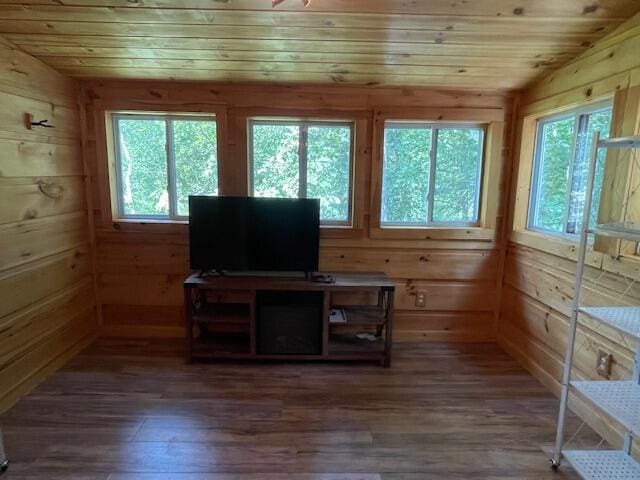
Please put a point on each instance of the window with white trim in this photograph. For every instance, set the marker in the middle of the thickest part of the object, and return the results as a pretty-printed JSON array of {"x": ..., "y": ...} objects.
[
  {"x": 431, "y": 174},
  {"x": 560, "y": 169},
  {"x": 304, "y": 159},
  {"x": 161, "y": 160}
]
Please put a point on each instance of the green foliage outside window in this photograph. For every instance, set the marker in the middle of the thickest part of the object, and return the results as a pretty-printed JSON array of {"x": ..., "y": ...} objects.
[
  {"x": 194, "y": 143},
  {"x": 275, "y": 161},
  {"x": 328, "y": 172},
  {"x": 143, "y": 167},
  {"x": 405, "y": 176},
  {"x": 563, "y": 152},
  {"x": 457, "y": 176},
  {"x": 409, "y": 174},
  {"x": 144, "y": 164},
  {"x": 277, "y": 148},
  {"x": 553, "y": 174}
]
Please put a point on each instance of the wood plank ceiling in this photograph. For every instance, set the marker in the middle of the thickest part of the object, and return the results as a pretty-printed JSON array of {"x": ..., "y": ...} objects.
[{"x": 487, "y": 44}]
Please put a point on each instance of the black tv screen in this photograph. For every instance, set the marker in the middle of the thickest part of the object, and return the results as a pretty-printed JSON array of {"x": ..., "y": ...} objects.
[{"x": 254, "y": 234}]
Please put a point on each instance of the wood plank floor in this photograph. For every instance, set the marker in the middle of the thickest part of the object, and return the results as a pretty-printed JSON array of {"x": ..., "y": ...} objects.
[{"x": 125, "y": 410}]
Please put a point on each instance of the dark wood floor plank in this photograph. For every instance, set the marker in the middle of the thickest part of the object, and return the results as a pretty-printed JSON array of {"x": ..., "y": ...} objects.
[{"x": 132, "y": 410}]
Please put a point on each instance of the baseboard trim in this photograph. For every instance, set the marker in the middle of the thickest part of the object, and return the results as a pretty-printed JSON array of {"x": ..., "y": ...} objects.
[{"x": 22, "y": 388}]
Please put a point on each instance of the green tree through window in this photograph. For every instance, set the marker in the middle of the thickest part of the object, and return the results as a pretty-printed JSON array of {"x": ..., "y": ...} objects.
[
  {"x": 161, "y": 160},
  {"x": 563, "y": 150},
  {"x": 292, "y": 159},
  {"x": 431, "y": 174}
]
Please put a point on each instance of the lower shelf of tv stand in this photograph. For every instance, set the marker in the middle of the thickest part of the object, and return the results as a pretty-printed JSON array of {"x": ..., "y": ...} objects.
[
  {"x": 335, "y": 357},
  {"x": 227, "y": 312}
]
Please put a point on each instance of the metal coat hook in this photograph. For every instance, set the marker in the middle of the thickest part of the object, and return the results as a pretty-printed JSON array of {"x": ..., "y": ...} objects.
[
  {"x": 29, "y": 123},
  {"x": 42, "y": 123}
]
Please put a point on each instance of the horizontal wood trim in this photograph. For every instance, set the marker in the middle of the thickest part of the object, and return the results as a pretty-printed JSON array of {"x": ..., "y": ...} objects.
[
  {"x": 105, "y": 93},
  {"x": 445, "y": 296},
  {"x": 23, "y": 158},
  {"x": 436, "y": 55},
  {"x": 338, "y": 77},
  {"x": 28, "y": 198},
  {"x": 431, "y": 233},
  {"x": 554, "y": 245},
  {"x": 545, "y": 34},
  {"x": 147, "y": 289},
  {"x": 45, "y": 358},
  {"x": 34, "y": 239},
  {"x": 22, "y": 330},
  {"x": 383, "y": 7},
  {"x": 28, "y": 284},
  {"x": 288, "y": 19},
  {"x": 176, "y": 234},
  {"x": 459, "y": 323},
  {"x": 417, "y": 264},
  {"x": 434, "y": 68}
]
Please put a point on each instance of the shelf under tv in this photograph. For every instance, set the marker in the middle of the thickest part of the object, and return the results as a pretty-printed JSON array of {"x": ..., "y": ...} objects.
[{"x": 222, "y": 317}]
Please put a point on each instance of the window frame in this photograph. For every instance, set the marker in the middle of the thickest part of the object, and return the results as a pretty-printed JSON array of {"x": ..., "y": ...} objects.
[
  {"x": 304, "y": 124},
  {"x": 169, "y": 119},
  {"x": 433, "y": 153},
  {"x": 577, "y": 114}
]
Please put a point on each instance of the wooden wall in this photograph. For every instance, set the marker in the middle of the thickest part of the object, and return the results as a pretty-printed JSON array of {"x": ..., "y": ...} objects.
[
  {"x": 47, "y": 302},
  {"x": 539, "y": 271},
  {"x": 141, "y": 267}
]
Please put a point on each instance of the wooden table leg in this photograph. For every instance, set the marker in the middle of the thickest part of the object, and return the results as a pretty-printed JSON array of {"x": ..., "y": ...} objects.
[
  {"x": 381, "y": 296},
  {"x": 389, "y": 330},
  {"x": 188, "y": 322}
]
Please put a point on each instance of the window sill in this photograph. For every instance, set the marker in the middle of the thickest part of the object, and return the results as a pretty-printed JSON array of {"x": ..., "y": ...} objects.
[
  {"x": 434, "y": 233},
  {"x": 625, "y": 265},
  {"x": 144, "y": 221},
  {"x": 151, "y": 225},
  {"x": 560, "y": 246}
]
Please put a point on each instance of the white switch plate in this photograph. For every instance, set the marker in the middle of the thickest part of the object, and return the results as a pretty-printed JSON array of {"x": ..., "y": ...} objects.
[
  {"x": 603, "y": 366},
  {"x": 420, "y": 297}
]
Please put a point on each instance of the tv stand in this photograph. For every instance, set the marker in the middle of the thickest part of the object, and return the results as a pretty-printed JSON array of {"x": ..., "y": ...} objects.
[
  {"x": 211, "y": 273},
  {"x": 322, "y": 278},
  {"x": 226, "y": 317}
]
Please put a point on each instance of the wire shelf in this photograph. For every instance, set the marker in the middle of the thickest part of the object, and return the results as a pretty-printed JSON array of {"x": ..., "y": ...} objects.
[
  {"x": 625, "y": 320},
  {"x": 603, "y": 464},
  {"x": 619, "y": 400},
  {"x": 620, "y": 142},
  {"x": 622, "y": 230}
]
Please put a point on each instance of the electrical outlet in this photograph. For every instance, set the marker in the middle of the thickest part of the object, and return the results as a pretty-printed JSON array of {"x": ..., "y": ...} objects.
[
  {"x": 420, "y": 298},
  {"x": 603, "y": 365}
]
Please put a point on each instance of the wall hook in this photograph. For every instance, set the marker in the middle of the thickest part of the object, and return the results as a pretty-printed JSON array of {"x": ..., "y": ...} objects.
[
  {"x": 42, "y": 123},
  {"x": 29, "y": 123}
]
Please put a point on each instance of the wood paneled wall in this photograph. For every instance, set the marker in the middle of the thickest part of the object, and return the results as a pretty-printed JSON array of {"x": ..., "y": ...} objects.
[
  {"x": 539, "y": 271},
  {"x": 141, "y": 267},
  {"x": 47, "y": 301}
]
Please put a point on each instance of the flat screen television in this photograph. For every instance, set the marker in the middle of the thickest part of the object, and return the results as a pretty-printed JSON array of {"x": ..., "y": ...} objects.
[{"x": 253, "y": 234}]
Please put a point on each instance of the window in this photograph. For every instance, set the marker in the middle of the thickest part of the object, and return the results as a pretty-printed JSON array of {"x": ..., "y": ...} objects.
[
  {"x": 561, "y": 164},
  {"x": 161, "y": 160},
  {"x": 431, "y": 174},
  {"x": 304, "y": 159}
]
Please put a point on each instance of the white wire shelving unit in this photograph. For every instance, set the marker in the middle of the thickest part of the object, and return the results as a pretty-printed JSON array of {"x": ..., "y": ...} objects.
[{"x": 614, "y": 400}]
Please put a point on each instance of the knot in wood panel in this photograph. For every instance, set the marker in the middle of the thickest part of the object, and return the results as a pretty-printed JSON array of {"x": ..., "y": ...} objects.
[{"x": 51, "y": 190}]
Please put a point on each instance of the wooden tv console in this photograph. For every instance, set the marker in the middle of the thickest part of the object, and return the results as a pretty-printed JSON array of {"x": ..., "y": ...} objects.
[{"x": 224, "y": 307}]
